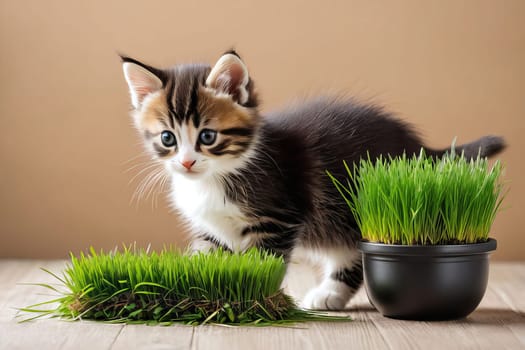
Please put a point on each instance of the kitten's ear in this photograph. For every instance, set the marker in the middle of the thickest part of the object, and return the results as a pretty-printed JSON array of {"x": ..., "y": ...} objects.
[
  {"x": 230, "y": 76},
  {"x": 141, "y": 80}
]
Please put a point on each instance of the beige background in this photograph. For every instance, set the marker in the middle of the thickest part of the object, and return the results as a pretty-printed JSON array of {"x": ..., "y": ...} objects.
[{"x": 453, "y": 68}]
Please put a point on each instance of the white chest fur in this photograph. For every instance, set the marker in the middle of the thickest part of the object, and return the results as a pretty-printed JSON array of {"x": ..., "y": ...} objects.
[{"x": 205, "y": 206}]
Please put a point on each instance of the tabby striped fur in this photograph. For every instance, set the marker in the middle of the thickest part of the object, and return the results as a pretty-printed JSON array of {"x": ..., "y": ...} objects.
[{"x": 262, "y": 181}]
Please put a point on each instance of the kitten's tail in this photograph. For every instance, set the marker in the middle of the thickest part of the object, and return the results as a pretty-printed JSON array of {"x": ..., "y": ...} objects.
[{"x": 486, "y": 146}]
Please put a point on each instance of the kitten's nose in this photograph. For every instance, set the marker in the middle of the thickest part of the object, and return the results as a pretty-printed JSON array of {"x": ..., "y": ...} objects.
[{"x": 188, "y": 163}]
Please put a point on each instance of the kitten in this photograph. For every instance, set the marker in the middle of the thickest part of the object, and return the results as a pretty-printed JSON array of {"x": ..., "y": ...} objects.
[{"x": 242, "y": 179}]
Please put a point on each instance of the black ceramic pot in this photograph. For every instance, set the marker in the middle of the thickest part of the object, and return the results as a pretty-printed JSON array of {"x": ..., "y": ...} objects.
[{"x": 426, "y": 282}]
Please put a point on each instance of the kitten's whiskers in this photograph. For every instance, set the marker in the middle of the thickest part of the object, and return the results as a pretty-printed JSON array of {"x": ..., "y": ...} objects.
[
  {"x": 151, "y": 185},
  {"x": 147, "y": 168},
  {"x": 143, "y": 154}
]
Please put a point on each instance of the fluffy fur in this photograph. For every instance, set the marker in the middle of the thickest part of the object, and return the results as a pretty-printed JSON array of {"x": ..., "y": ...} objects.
[{"x": 242, "y": 179}]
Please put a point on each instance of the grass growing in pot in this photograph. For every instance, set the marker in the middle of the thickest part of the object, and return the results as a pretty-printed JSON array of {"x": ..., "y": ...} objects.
[{"x": 419, "y": 200}]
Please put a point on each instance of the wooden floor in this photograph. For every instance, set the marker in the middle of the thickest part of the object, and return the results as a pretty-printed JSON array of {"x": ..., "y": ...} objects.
[{"x": 498, "y": 323}]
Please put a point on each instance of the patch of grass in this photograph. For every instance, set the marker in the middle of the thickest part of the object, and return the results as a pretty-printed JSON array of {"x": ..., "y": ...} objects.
[
  {"x": 420, "y": 200},
  {"x": 135, "y": 286}
]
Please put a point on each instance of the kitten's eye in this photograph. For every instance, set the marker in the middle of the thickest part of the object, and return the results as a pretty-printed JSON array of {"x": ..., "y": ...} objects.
[
  {"x": 168, "y": 139},
  {"x": 207, "y": 137}
]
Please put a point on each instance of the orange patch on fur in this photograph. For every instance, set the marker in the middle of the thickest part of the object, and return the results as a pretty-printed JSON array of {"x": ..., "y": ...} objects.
[
  {"x": 223, "y": 113},
  {"x": 154, "y": 115},
  {"x": 220, "y": 112}
]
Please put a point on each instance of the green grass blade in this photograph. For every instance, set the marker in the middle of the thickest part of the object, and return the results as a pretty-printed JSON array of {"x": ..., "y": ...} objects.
[
  {"x": 134, "y": 285},
  {"x": 421, "y": 200}
]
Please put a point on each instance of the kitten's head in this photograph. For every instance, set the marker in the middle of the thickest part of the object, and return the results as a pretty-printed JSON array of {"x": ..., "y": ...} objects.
[{"x": 200, "y": 120}]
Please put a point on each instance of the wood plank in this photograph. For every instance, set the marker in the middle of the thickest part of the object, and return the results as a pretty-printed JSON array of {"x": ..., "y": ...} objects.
[
  {"x": 313, "y": 335},
  {"x": 43, "y": 334},
  {"x": 464, "y": 334},
  {"x": 489, "y": 327},
  {"x": 498, "y": 323},
  {"x": 13, "y": 275},
  {"x": 507, "y": 283},
  {"x": 154, "y": 337},
  {"x": 55, "y": 334}
]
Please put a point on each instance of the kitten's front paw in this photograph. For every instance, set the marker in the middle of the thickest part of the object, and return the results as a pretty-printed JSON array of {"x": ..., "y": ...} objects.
[{"x": 324, "y": 299}]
